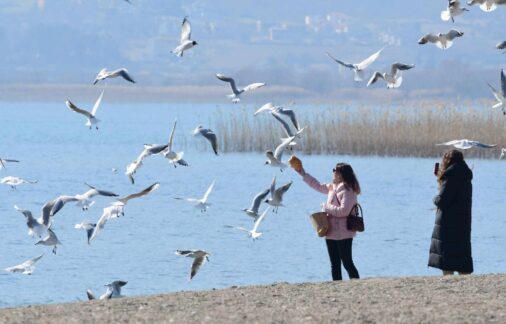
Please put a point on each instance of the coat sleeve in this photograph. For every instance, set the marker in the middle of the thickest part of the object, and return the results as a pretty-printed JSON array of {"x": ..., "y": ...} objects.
[
  {"x": 315, "y": 184},
  {"x": 345, "y": 205},
  {"x": 446, "y": 195}
]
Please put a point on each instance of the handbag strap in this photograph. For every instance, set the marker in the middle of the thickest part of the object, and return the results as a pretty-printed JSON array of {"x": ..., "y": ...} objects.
[{"x": 356, "y": 210}]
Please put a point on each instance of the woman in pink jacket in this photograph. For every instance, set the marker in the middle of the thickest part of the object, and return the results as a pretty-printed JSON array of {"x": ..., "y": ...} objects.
[{"x": 341, "y": 197}]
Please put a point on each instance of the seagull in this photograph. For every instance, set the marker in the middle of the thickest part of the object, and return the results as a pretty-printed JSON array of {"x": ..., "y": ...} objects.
[
  {"x": 358, "y": 68},
  {"x": 255, "y": 205},
  {"x": 487, "y": 5},
  {"x": 503, "y": 151},
  {"x": 202, "y": 203},
  {"x": 277, "y": 194},
  {"x": 34, "y": 226},
  {"x": 15, "y": 181},
  {"x": 91, "y": 119},
  {"x": 443, "y": 41},
  {"x": 113, "y": 290},
  {"x": 500, "y": 96},
  {"x": 83, "y": 200},
  {"x": 185, "y": 43},
  {"x": 200, "y": 257},
  {"x": 207, "y": 134},
  {"x": 173, "y": 157},
  {"x": 501, "y": 45},
  {"x": 132, "y": 168},
  {"x": 104, "y": 74},
  {"x": 235, "y": 96},
  {"x": 253, "y": 232},
  {"x": 4, "y": 161},
  {"x": 26, "y": 267},
  {"x": 394, "y": 79},
  {"x": 88, "y": 227},
  {"x": 50, "y": 240},
  {"x": 149, "y": 149},
  {"x": 274, "y": 159},
  {"x": 116, "y": 209},
  {"x": 453, "y": 10},
  {"x": 465, "y": 144}
]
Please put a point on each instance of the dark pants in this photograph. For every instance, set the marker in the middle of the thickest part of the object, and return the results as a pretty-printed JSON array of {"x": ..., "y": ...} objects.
[{"x": 340, "y": 251}]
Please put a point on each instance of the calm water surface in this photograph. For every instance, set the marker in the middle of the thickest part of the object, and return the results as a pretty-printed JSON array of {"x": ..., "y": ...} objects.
[{"x": 58, "y": 150}]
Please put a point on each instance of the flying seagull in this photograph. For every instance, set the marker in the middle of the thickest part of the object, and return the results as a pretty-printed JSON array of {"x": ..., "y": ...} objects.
[
  {"x": 453, "y": 10},
  {"x": 34, "y": 226},
  {"x": 83, "y": 200},
  {"x": 500, "y": 96},
  {"x": 393, "y": 79},
  {"x": 15, "y": 181},
  {"x": 149, "y": 149},
  {"x": 235, "y": 96},
  {"x": 91, "y": 119},
  {"x": 207, "y": 134},
  {"x": 50, "y": 240},
  {"x": 255, "y": 205},
  {"x": 3, "y": 162},
  {"x": 253, "y": 232},
  {"x": 276, "y": 199},
  {"x": 487, "y": 5},
  {"x": 184, "y": 43},
  {"x": 501, "y": 45},
  {"x": 26, "y": 267},
  {"x": 113, "y": 290},
  {"x": 275, "y": 159},
  {"x": 465, "y": 144},
  {"x": 358, "y": 68},
  {"x": 199, "y": 257},
  {"x": 88, "y": 227},
  {"x": 116, "y": 209},
  {"x": 441, "y": 40},
  {"x": 104, "y": 74},
  {"x": 201, "y": 203},
  {"x": 174, "y": 157}
]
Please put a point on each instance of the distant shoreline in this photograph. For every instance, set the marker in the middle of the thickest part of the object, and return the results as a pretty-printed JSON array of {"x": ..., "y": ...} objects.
[
  {"x": 213, "y": 94},
  {"x": 456, "y": 299}
]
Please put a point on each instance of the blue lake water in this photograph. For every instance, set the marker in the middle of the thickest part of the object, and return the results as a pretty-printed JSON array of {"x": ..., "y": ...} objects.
[{"x": 61, "y": 153}]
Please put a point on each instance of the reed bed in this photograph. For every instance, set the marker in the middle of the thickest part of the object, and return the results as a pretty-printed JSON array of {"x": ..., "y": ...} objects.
[{"x": 402, "y": 130}]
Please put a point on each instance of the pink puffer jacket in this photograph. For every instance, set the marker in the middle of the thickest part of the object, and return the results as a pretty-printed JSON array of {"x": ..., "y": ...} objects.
[{"x": 340, "y": 201}]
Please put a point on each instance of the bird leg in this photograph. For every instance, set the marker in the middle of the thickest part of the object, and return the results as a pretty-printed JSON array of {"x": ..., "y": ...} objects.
[{"x": 54, "y": 249}]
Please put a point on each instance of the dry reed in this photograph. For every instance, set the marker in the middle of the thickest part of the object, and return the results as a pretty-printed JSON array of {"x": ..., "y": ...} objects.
[{"x": 407, "y": 130}]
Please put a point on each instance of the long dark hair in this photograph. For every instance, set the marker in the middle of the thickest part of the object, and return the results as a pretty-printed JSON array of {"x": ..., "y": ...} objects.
[
  {"x": 449, "y": 158},
  {"x": 349, "y": 178}
]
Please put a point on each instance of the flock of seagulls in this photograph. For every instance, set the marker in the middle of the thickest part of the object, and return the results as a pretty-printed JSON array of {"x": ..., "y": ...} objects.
[{"x": 272, "y": 196}]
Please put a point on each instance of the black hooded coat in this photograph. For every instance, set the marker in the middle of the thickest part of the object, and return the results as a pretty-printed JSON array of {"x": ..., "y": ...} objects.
[{"x": 450, "y": 248}]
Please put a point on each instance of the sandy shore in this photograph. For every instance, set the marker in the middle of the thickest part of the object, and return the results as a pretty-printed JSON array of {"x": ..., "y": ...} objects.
[{"x": 466, "y": 299}]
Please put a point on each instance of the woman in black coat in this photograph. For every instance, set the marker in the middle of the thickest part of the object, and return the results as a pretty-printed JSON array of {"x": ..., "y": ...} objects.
[{"x": 450, "y": 248}]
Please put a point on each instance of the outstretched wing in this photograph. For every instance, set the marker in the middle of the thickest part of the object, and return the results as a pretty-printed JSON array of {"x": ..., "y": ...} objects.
[
  {"x": 257, "y": 200},
  {"x": 171, "y": 136},
  {"x": 197, "y": 263},
  {"x": 503, "y": 83},
  {"x": 273, "y": 186},
  {"x": 74, "y": 108},
  {"x": 368, "y": 61},
  {"x": 429, "y": 38},
  {"x": 185, "y": 30},
  {"x": 260, "y": 219},
  {"x": 144, "y": 192},
  {"x": 396, "y": 67},
  {"x": 124, "y": 74},
  {"x": 291, "y": 114},
  {"x": 285, "y": 125},
  {"x": 211, "y": 137},
  {"x": 482, "y": 145},
  {"x": 94, "y": 191},
  {"x": 348, "y": 65},
  {"x": 253, "y": 86},
  {"x": 278, "y": 153},
  {"x": 281, "y": 190},
  {"x": 208, "y": 191},
  {"x": 454, "y": 142},
  {"x": 375, "y": 76},
  {"x": 453, "y": 33},
  {"x": 494, "y": 91},
  {"x": 229, "y": 80},
  {"x": 268, "y": 106},
  {"x": 97, "y": 103}
]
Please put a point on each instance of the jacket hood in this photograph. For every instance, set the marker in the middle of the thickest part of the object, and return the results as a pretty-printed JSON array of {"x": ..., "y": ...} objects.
[{"x": 459, "y": 169}]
